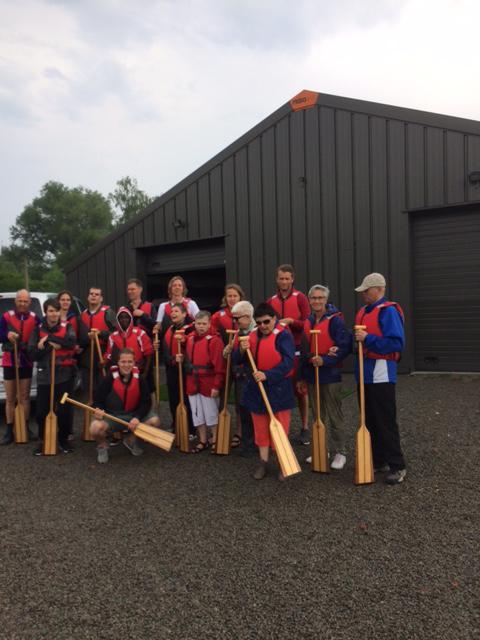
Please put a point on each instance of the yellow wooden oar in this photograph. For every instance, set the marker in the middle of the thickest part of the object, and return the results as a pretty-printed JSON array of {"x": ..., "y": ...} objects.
[
  {"x": 156, "y": 345},
  {"x": 86, "y": 435},
  {"x": 222, "y": 445},
  {"x": 158, "y": 437},
  {"x": 181, "y": 415},
  {"x": 363, "y": 451},
  {"x": 49, "y": 447},
  {"x": 286, "y": 457},
  {"x": 100, "y": 354},
  {"x": 319, "y": 439},
  {"x": 19, "y": 422}
]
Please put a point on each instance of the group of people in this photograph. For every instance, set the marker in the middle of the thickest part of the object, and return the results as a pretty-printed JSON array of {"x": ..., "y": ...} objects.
[{"x": 289, "y": 336}]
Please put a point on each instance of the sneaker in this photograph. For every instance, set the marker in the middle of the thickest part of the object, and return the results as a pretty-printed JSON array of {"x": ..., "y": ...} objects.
[
  {"x": 261, "y": 471},
  {"x": 338, "y": 461},
  {"x": 396, "y": 477},
  {"x": 305, "y": 436},
  {"x": 114, "y": 442},
  {"x": 102, "y": 455},
  {"x": 38, "y": 451},
  {"x": 8, "y": 437},
  {"x": 134, "y": 448},
  {"x": 309, "y": 460},
  {"x": 381, "y": 468},
  {"x": 65, "y": 447}
]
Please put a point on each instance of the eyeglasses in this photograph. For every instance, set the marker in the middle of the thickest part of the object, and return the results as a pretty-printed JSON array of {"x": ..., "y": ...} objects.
[
  {"x": 318, "y": 297},
  {"x": 263, "y": 322},
  {"x": 237, "y": 318}
]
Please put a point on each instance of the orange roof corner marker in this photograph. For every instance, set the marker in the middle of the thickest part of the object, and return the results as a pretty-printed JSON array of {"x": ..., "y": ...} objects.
[{"x": 304, "y": 100}]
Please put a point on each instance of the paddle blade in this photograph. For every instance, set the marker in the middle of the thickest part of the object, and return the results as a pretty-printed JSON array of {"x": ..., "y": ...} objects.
[
  {"x": 181, "y": 429},
  {"x": 50, "y": 435},
  {"x": 222, "y": 446},
  {"x": 20, "y": 426},
  {"x": 319, "y": 448},
  {"x": 86, "y": 435},
  {"x": 158, "y": 437},
  {"x": 363, "y": 457},
  {"x": 286, "y": 457}
]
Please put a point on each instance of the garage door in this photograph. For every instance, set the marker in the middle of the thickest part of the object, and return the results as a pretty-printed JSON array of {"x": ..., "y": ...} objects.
[{"x": 446, "y": 290}]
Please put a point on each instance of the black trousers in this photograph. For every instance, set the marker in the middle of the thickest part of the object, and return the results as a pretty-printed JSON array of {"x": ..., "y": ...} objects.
[
  {"x": 171, "y": 374},
  {"x": 64, "y": 412},
  {"x": 381, "y": 419}
]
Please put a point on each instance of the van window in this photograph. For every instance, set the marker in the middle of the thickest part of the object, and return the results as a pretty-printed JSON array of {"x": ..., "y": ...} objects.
[{"x": 7, "y": 304}]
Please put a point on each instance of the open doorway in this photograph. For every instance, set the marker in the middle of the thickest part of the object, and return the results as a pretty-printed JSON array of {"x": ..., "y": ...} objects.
[{"x": 205, "y": 286}]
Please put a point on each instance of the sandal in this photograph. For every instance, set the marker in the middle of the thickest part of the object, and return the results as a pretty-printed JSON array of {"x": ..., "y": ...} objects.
[
  {"x": 236, "y": 441},
  {"x": 213, "y": 447},
  {"x": 201, "y": 446}
]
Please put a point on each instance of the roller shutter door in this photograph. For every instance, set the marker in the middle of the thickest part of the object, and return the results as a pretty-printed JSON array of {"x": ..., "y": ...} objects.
[
  {"x": 176, "y": 258},
  {"x": 446, "y": 290}
]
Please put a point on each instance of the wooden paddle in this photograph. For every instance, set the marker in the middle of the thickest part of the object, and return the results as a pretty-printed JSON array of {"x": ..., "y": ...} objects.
[
  {"x": 286, "y": 457},
  {"x": 86, "y": 435},
  {"x": 319, "y": 440},
  {"x": 222, "y": 445},
  {"x": 181, "y": 415},
  {"x": 158, "y": 437},
  {"x": 100, "y": 354},
  {"x": 49, "y": 447},
  {"x": 363, "y": 452},
  {"x": 156, "y": 345},
  {"x": 19, "y": 423}
]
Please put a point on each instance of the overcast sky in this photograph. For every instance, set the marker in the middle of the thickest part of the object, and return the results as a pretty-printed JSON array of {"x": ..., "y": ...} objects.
[{"x": 91, "y": 91}]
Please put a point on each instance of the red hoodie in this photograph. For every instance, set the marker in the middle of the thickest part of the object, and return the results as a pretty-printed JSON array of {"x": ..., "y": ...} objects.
[{"x": 133, "y": 338}]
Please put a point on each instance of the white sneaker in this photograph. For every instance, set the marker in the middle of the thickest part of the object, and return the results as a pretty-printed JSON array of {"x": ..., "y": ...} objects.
[
  {"x": 102, "y": 455},
  {"x": 339, "y": 461},
  {"x": 309, "y": 460},
  {"x": 134, "y": 448}
]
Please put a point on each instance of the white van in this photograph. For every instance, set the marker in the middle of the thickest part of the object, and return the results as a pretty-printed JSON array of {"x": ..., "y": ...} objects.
[{"x": 7, "y": 302}]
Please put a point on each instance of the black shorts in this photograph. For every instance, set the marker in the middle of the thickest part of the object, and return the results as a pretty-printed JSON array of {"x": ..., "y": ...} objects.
[{"x": 23, "y": 372}]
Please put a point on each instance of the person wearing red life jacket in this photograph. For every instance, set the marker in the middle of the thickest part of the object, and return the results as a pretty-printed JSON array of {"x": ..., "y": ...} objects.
[
  {"x": 127, "y": 336},
  {"x": 170, "y": 349},
  {"x": 143, "y": 312},
  {"x": 177, "y": 291},
  {"x": 53, "y": 334},
  {"x": 334, "y": 344},
  {"x": 97, "y": 318},
  {"x": 273, "y": 350},
  {"x": 292, "y": 309},
  {"x": 16, "y": 326},
  {"x": 125, "y": 395},
  {"x": 223, "y": 320},
  {"x": 205, "y": 369},
  {"x": 383, "y": 341}
]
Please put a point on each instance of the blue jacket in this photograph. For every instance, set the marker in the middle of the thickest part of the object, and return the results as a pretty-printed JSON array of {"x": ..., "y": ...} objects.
[
  {"x": 328, "y": 372},
  {"x": 392, "y": 340},
  {"x": 279, "y": 388}
]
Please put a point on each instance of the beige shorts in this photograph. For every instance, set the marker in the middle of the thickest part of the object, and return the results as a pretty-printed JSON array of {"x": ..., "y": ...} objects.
[{"x": 204, "y": 410}]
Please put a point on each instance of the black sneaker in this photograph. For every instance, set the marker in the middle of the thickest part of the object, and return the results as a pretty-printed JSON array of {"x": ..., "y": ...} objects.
[
  {"x": 396, "y": 477},
  {"x": 65, "y": 447},
  {"x": 305, "y": 436},
  {"x": 38, "y": 451}
]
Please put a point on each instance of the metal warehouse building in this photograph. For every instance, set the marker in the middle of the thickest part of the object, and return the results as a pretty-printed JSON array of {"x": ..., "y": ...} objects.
[{"x": 338, "y": 187}]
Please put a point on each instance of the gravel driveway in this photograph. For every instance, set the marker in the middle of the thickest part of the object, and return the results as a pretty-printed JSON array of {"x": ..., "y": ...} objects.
[{"x": 191, "y": 547}]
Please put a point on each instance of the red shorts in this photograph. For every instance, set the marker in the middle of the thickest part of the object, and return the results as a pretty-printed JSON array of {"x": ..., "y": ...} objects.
[
  {"x": 261, "y": 422},
  {"x": 304, "y": 392}
]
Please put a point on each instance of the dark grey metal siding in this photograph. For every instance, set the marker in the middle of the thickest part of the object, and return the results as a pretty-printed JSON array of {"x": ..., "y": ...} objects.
[
  {"x": 325, "y": 188},
  {"x": 446, "y": 290}
]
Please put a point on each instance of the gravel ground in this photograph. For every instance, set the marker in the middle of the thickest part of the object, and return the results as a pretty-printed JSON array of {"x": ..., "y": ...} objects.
[{"x": 190, "y": 547}]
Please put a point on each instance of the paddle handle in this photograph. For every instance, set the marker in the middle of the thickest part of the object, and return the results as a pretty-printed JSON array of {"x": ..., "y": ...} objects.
[
  {"x": 361, "y": 379},
  {"x": 179, "y": 336},
  {"x": 317, "y": 377},
  {"x": 52, "y": 380},
  {"x": 90, "y": 373},
  {"x": 99, "y": 351},
  {"x": 81, "y": 405},
  {"x": 17, "y": 375},
  {"x": 260, "y": 384},
  {"x": 157, "y": 370}
]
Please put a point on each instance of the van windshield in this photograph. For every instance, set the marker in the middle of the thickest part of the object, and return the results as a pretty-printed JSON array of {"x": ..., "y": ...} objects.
[{"x": 7, "y": 304}]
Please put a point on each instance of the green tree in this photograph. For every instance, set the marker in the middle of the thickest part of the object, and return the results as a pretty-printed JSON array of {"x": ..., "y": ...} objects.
[
  {"x": 60, "y": 224},
  {"x": 128, "y": 199}
]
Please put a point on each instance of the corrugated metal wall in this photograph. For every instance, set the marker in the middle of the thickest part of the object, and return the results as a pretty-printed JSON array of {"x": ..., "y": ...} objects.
[{"x": 325, "y": 188}]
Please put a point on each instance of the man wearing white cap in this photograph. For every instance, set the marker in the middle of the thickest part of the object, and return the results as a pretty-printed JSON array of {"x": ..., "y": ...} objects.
[{"x": 383, "y": 341}]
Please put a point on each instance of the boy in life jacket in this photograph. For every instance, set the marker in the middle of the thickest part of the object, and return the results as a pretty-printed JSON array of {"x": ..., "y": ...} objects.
[
  {"x": 125, "y": 395},
  {"x": 291, "y": 307},
  {"x": 205, "y": 369},
  {"x": 273, "y": 350},
  {"x": 16, "y": 326},
  {"x": 53, "y": 334},
  {"x": 334, "y": 344},
  {"x": 127, "y": 336}
]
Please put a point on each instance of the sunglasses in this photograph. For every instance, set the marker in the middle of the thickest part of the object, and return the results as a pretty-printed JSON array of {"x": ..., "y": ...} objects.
[
  {"x": 236, "y": 318},
  {"x": 264, "y": 322}
]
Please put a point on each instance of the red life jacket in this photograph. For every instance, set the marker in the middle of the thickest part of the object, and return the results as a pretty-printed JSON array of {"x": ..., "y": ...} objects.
[
  {"x": 288, "y": 308},
  {"x": 324, "y": 339},
  {"x": 23, "y": 327},
  {"x": 223, "y": 319},
  {"x": 96, "y": 320},
  {"x": 184, "y": 303},
  {"x": 63, "y": 357},
  {"x": 74, "y": 322},
  {"x": 264, "y": 350},
  {"x": 170, "y": 343},
  {"x": 146, "y": 307},
  {"x": 130, "y": 340},
  {"x": 128, "y": 393},
  {"x": 202, "y": 368},
  {"x": 372, "y": 321}
]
